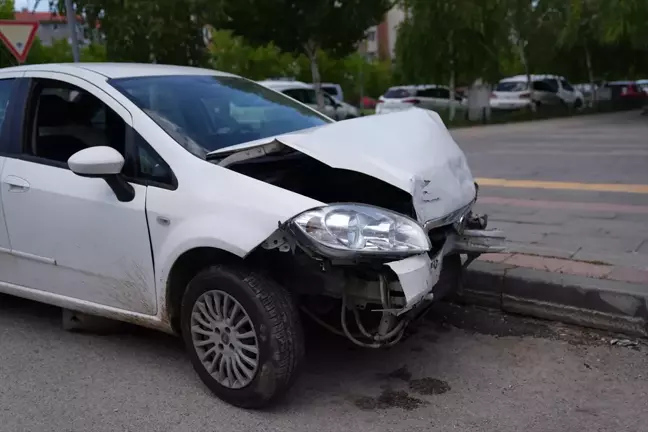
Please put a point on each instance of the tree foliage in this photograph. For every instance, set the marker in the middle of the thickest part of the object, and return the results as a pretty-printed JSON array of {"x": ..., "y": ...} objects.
[
  {"x": 584, "y": 39},
  {"x": 305, "y": 26},
  {"x": 162, "y": 31},
  {"x": 234, "y": 54}
]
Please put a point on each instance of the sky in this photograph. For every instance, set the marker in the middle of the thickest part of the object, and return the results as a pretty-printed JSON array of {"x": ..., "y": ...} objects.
[{"x": 29, "y": 4}]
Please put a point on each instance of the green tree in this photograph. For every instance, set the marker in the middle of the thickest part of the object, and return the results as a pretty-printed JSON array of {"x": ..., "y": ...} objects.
[
  {"x": 450, "y": 41},
  {"x": 60, "y": 51},
  {"x": 305, "y": 26},
  {"x": 6, "y": 12},
  {"x": 233, "y": 54},
  {"x": 163, "y": 31}
]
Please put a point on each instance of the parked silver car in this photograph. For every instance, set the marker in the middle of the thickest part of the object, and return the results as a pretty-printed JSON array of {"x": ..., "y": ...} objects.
[
  {"x": 432, "y": 97},
  {"x": 513, "y": 93}
]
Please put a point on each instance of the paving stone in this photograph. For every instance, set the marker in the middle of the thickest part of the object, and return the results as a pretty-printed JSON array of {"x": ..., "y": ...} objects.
[
  {"x": 629, "y": 275},
  {"x": 592, "y": 243},
  {"x": 586, "y": 269},
  {"x": 495, "y": 257},
  {"x": 536, "y": 262}
]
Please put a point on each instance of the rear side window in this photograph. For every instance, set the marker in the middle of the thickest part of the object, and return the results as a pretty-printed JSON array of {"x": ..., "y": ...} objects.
[
  {"x": 398, "y": 93},
  {"x": 330, "y": 90},
  {"x": 6, "y": 86},
  {"x": 566, "y": 85},
  {"x": 431, "y": 93},
  {"x": 543, "y": 86},
  {"x": 443, "y": 93},
  {"x": 553, "y": 83},
  {"x": 297, "y": 94}
]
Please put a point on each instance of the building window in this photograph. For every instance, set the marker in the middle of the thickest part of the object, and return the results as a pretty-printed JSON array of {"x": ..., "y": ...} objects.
[{"x": 371, "y": 35}]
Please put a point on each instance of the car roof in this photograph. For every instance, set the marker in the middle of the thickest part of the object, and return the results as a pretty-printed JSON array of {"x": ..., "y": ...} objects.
[
  {"x": 534, "y": 77},
  {"x": 118, "y": 70}
]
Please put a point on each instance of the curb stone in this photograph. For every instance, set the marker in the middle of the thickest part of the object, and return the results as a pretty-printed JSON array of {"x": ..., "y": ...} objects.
[{"x": 597, "y": 303}]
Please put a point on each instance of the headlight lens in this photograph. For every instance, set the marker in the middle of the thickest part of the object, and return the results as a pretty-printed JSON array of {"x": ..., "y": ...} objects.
[{"x": 363, "y": 228}]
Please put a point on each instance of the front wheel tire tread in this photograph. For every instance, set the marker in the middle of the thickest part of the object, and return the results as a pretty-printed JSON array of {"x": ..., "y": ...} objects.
[{"x": 276, "y": 321}]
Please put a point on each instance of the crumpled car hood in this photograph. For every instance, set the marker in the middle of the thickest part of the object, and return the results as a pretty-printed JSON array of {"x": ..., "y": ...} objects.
[{"x": 411, "y": 150}]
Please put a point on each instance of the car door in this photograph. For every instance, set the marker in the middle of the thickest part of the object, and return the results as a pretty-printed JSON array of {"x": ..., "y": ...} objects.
[
  {"x": 554, "y": 93},
  {"x": 545, "y": 93},
  {"x": 442, "y": 98},
  {"x": 338, "y": 112},
  {"x": 567, "y": 92},
  {"x": 426, "y": 98},
  {"x": 73, "y": 239}
]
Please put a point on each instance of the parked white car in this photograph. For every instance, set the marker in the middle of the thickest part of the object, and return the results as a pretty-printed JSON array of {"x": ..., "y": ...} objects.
[
  {"x": 431, "y": 97},
  {"x": 513, "y": 93},
  {"x": 204, "y": 204},
  {"x": 305, "y": 93}
]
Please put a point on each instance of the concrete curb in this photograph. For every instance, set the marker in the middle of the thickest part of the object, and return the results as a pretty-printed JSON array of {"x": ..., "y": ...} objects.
[{"x": 597, "y": 303}]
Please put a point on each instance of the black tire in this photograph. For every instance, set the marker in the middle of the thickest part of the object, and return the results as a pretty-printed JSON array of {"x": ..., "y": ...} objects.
[{"x": 276, "y": 322}]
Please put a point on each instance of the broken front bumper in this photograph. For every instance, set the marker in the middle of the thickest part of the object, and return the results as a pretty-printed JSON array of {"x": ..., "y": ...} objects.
[{"x": 418, "y": 275}]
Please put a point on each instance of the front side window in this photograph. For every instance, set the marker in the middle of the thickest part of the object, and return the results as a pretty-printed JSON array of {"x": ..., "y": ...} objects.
[
  {"x": 6, "y": 86},
  {"x": 65, "y": 119},
  {"x": 204, "y": 113}
]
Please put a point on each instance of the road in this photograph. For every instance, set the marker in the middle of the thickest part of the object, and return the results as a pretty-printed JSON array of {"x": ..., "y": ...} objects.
[
  {"x": 465, "y": 371},
  {"x": 571, "y": 188}
]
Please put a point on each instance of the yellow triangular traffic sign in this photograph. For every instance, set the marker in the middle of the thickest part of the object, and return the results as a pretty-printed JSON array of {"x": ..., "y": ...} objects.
[{"x": 18, "y": 37}]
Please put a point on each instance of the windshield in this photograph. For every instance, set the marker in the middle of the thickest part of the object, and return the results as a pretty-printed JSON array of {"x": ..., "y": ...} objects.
[
  {"x": 397, "y": 93},
  {"x": 511, "y": 86},
  {"x": 204, "y": 113}
]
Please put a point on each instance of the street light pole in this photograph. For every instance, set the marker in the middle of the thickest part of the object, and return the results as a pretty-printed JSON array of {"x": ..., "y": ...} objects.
[{"x": 72, "y": 26}]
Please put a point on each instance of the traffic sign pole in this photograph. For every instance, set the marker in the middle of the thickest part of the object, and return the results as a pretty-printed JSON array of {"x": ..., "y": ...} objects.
[{"x": 72, "y": 26}]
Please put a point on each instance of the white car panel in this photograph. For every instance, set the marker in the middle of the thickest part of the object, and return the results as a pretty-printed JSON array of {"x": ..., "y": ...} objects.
[
  {"x": 426, "y": 162},
  {"x": 55, "y": 217},
  {"x": 72, "y": 237}
]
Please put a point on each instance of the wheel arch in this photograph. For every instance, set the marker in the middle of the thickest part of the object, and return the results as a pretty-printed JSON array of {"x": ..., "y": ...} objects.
[{"x": 184, "y": 268}]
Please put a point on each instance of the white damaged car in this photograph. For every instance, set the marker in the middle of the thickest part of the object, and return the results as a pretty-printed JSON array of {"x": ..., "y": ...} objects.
[{"x": 203, "y": 204}]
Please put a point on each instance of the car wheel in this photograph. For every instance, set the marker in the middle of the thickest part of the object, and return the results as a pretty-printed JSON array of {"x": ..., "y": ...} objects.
[
  {"x": 578, "y": 104},
  {"x": 243, "y": 335}
]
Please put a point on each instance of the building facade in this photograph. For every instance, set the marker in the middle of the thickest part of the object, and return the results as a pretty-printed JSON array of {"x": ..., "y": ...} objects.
[
  {"x": 52, "y": 26},
  {"x": 380, "y": 42}
]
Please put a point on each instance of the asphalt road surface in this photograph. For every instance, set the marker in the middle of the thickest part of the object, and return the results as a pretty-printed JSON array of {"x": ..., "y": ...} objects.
[
  {"x": 572, "y": 188},
  {"x": 465, "y": 371}
]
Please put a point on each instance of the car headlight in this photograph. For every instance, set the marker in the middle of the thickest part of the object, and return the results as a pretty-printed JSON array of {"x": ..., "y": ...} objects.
[{"x": 362, "y": 228}]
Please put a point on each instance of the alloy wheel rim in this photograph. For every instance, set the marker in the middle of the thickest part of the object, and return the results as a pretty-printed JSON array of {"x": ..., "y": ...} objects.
[{"x": 224, "y": 339}]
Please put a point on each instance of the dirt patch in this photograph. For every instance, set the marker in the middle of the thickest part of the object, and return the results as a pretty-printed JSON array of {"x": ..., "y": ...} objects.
[
  {"x": 389, "y": 399},
  {"x": 429, "y": 386}
]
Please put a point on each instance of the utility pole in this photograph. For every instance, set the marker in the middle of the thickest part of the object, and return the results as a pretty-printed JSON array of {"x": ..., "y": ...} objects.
[{"x": 72, "y": 26}]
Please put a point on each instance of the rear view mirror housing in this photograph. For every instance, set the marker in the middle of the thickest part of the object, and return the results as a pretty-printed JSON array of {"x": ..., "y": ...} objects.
[{"x": 106, "y": 163}]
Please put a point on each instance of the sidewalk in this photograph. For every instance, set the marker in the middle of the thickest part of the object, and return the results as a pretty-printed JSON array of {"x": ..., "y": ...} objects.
[{"x": 571, "y": 197}]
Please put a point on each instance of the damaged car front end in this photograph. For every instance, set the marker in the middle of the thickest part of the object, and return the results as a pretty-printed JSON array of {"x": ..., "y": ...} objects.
[{"x": 395, "y": 229}]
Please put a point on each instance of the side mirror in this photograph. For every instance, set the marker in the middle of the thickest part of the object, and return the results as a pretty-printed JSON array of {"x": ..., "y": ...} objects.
[
  {"x": 96, "y": 162},
  {"x": 106, "y": 163}
]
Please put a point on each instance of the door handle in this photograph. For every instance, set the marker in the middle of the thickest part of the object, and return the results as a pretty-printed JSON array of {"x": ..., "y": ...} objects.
[{"x": 16, "y": 184}]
